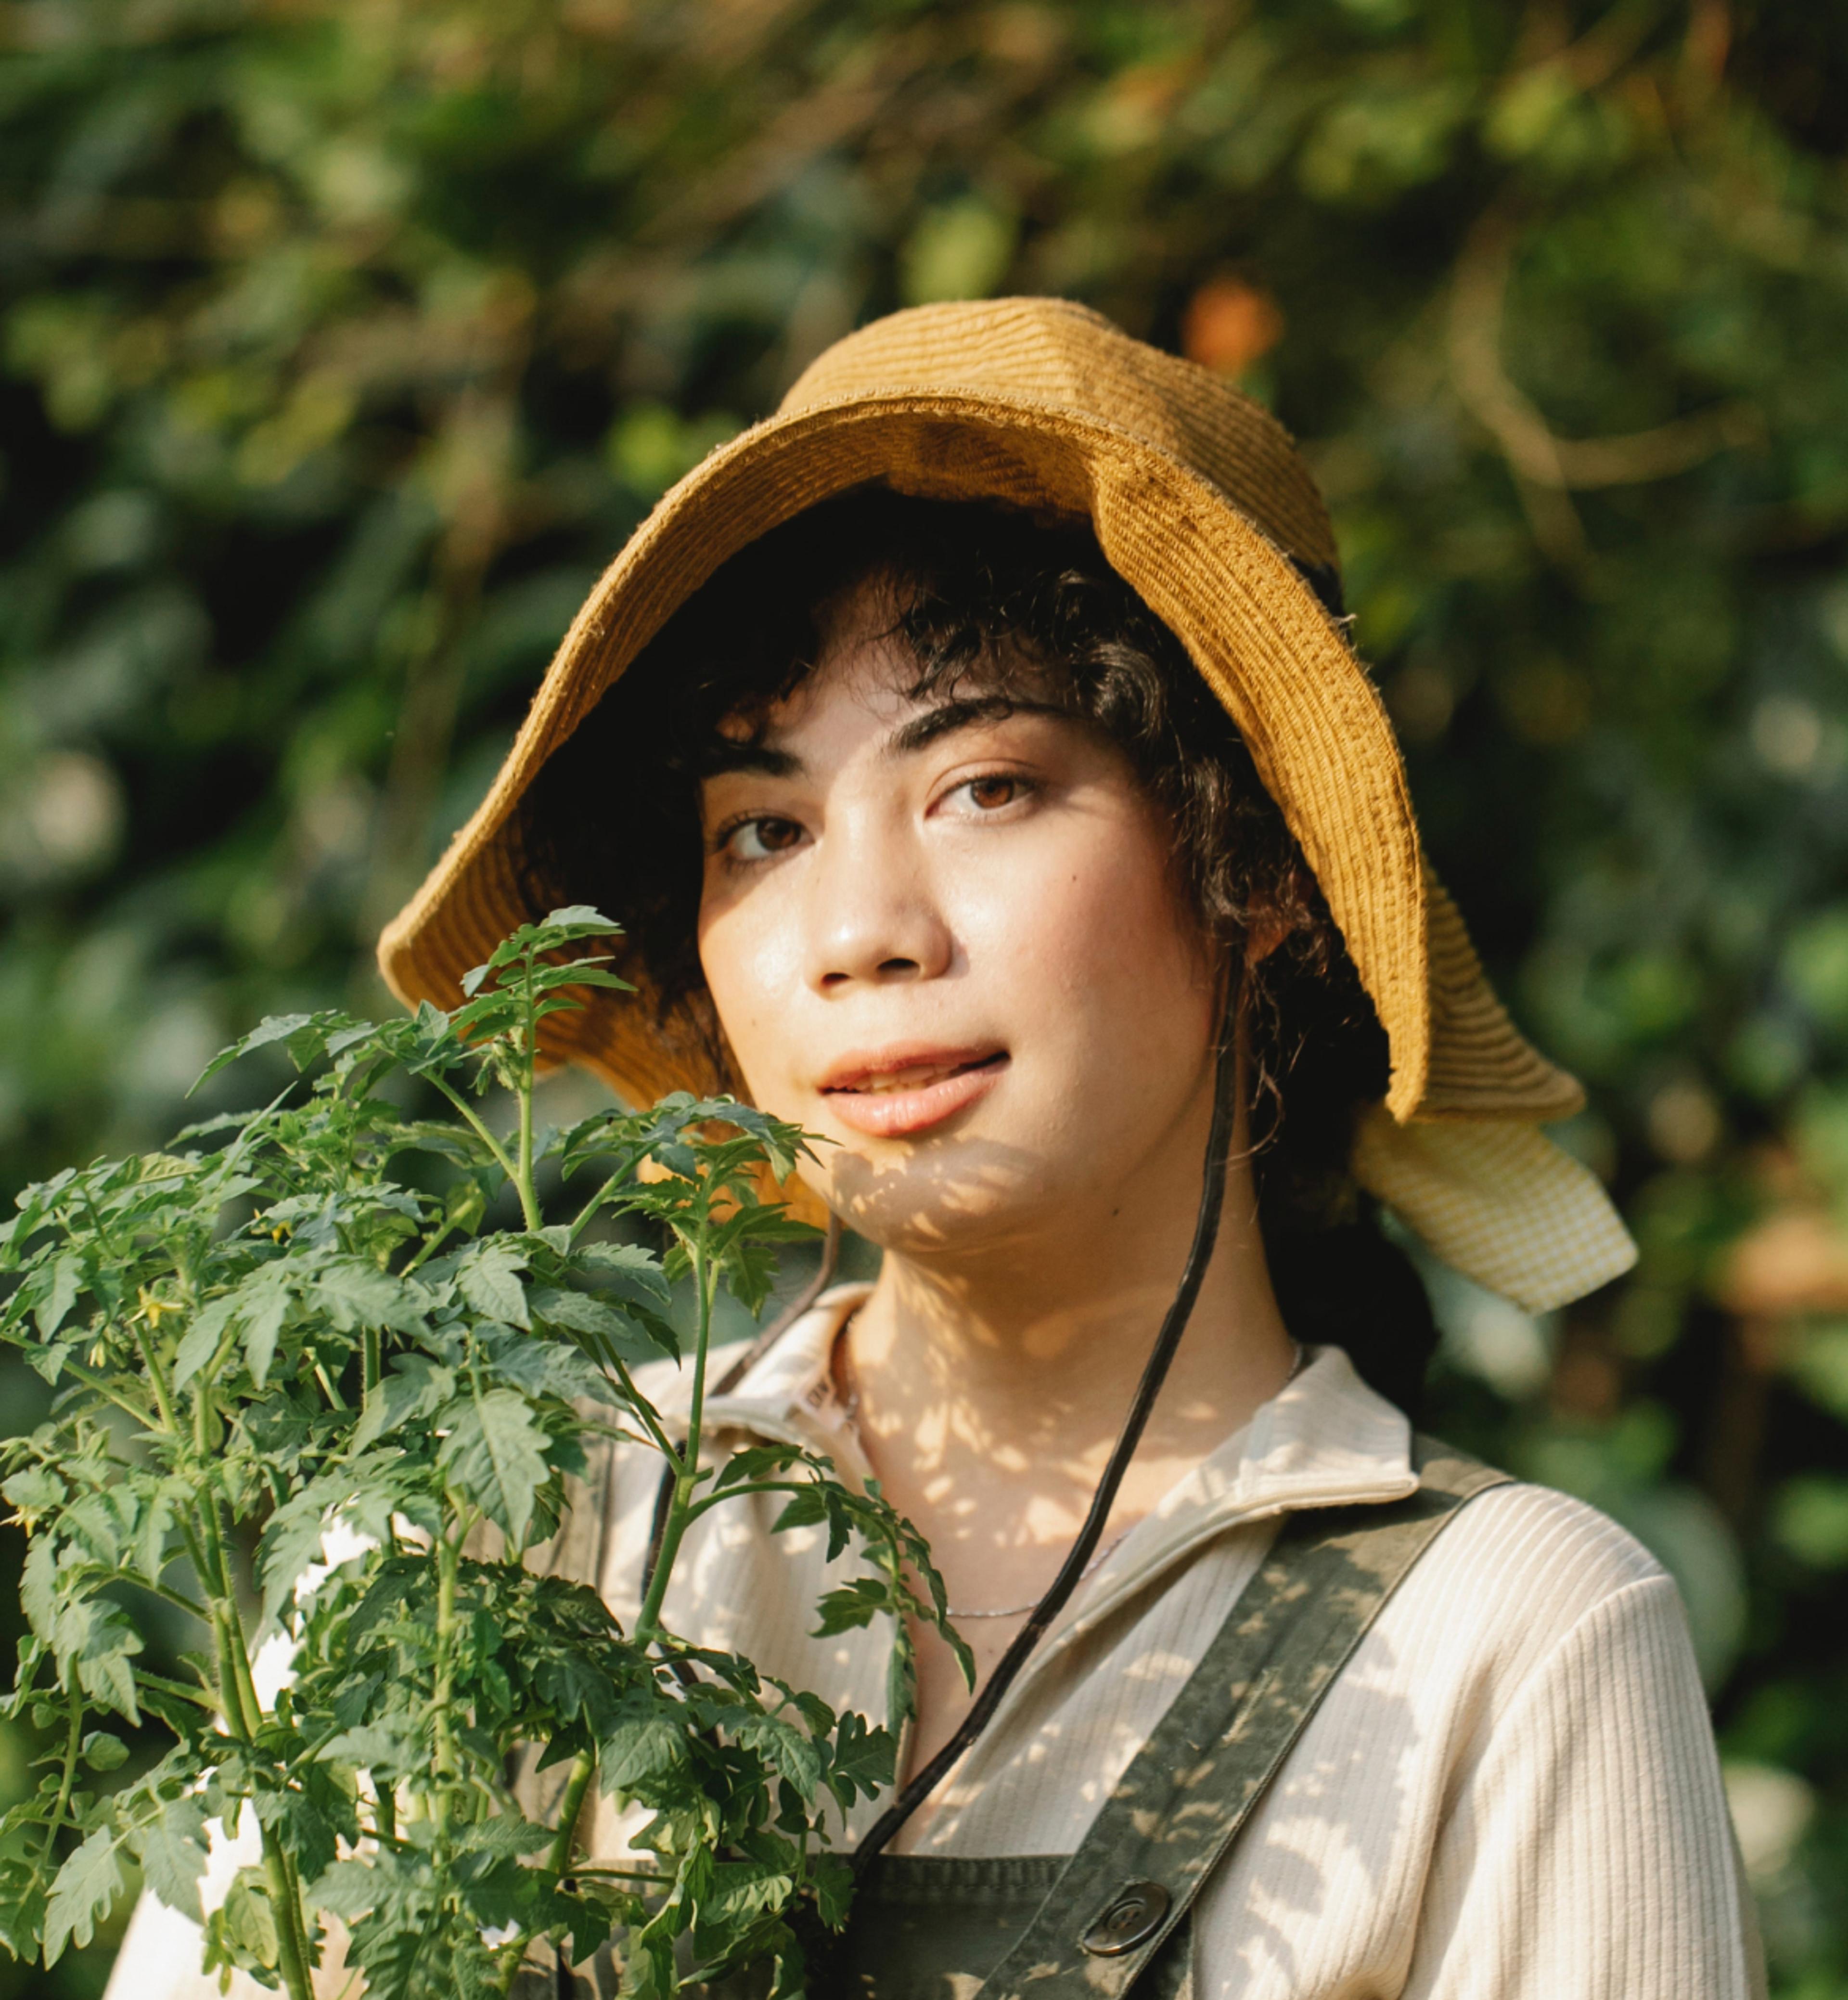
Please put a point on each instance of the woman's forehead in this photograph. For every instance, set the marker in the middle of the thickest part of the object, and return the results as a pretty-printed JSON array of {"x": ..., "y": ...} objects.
[{"x": 867, "y": 675}]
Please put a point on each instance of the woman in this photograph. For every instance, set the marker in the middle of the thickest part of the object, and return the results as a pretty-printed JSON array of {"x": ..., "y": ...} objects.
[{"x": 975, "y": 757}]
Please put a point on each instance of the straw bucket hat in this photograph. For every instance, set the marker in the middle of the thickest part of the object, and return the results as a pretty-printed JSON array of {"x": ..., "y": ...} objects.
[{"x": 1200, "y": 500}]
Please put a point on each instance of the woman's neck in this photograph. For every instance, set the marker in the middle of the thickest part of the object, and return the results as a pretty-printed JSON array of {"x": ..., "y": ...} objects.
[
  {"x": 989, "y": 1395},
  {"x": 991, "y": 1390}
]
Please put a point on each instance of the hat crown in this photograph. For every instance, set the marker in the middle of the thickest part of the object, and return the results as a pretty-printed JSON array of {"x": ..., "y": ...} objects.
[{"x": 1051, "y": 354}]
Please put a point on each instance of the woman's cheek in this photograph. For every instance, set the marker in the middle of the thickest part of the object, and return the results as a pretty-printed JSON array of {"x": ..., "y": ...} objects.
[{"x": 748, "y": 965}]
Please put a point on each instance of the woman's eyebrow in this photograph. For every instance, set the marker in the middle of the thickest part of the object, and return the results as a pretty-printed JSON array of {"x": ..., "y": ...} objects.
[
  {"x": 723, "y": 755},
  {"x": 949, "y": 716}
]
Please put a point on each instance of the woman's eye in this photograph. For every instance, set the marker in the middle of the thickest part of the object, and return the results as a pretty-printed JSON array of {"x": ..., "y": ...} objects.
[
  {"x": 990, "y": 793},
  {"x": 761, "y": 839}
]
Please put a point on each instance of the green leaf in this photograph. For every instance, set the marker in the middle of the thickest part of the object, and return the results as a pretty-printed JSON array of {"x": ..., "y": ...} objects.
[
  {"x": 495, "y": 1456},
  {"x": 38, "y": 1586},
  {"x": 789, "y": 1752},
  {"x": 34, "y": 1492},
  {"x": 104, "y": 1752},
  {"x": 242, "y": 1931},
  {"x": 289, "y": 1543},
  {"x": 263, "y": 1317},
  {"x": 258, "y": 1306},
  {"x": 304, "y": 1827},
  {"x": 628, "y": 1267},
  {"x": 348, "y": 1890},
  {"x": 645, "y": 1744},
  {"x": 489, "y": 1277},
  {"x": 854, "y": 1605},
  {"x": 353, "y": 1294},
  {"x": 102, "y": 1668},
  {"x": 416, "y": 1387},
  {"x": 88, "y": 1883},
  {"x": 276, "y": 1028},
  {"x": 173, "y": 1855},
  {"x": 863, "y": 1759},
  {"x": 58, "y": 1294}
]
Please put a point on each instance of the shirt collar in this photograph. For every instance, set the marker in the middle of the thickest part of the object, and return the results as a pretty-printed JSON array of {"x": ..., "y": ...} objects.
[{"x": 1325, "y": 1440}]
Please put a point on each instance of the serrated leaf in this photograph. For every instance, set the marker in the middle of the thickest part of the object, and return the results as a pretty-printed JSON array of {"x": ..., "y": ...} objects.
[
  {"x": 547, "y": 1367},
  {"x": 173, "y": 1855},
  {"x": 102, "y": 1668},
  {"x": 416, "y": 1387},
  {"x": 200, "y": 1341},
  {"x": 489, "y": 1278},
  {"x": 38, "y": 1587},
  {"x": 353, "y": 1294},
  {"x": 638, "y": 1747},
  {"x": 348, "y": 1890},
  {"x": 629, "y": 1263},
  {"x": 853, "y": 1604},
  {"x": 34, "y": 1492},
  {"x": 291, "y": 1542},
  {"x": 495, "y": 1456},
  {"x": 276, "y": 1028},
  {"x": 58, "y": 1295},
  {"x": 579, "y": 1312},
  {"x": 88, "y": 1883},
  {"x": 784, "y": 1747},
  {"x": 863, "y": 1759},
  {"x": 373, "y": 1746},
  {"x": 304, "y": 1829},
  {"x": 262, "y": 1318},
  {"x": 257, "y": 1306}
]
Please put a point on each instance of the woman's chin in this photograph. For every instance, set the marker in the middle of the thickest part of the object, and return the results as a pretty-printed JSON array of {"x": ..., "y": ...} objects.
[{"x": 948, "y": 1196}]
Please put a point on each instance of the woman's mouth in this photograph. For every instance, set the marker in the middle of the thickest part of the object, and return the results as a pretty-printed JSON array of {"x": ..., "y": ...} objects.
[{"x": 895, "y": 1093}]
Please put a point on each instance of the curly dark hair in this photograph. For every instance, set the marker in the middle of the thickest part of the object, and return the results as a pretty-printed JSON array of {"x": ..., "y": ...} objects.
[{"x": 996, "y": 605}]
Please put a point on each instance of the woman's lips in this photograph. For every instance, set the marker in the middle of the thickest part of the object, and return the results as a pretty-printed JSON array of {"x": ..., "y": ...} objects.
[{"x": 908, "y": 1092}]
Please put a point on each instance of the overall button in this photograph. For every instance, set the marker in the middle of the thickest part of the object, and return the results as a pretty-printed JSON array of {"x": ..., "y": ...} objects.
[{"x": 1132, "y": 1916}]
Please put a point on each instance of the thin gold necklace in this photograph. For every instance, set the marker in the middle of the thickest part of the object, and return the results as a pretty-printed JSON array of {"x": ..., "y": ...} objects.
[{"x": 850, "y": 1411}]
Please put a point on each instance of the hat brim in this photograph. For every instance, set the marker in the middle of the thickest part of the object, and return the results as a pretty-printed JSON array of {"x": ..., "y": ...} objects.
[{"x": 1317, "y": 731}]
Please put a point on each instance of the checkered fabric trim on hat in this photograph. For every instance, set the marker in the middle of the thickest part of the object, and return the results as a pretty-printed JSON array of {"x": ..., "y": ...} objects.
[{"x": 1500, "y": 1202}]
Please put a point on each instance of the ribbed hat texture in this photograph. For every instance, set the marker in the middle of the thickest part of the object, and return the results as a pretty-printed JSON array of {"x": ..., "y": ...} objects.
[{"x": 1201, "y": 502}]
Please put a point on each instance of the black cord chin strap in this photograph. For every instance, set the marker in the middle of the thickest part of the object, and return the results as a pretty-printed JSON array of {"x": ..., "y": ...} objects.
[{"x": 1071, "y": 1571}]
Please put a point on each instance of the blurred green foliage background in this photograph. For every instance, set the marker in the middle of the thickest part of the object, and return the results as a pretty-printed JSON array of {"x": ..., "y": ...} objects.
[{"x": 343, "y": 341}]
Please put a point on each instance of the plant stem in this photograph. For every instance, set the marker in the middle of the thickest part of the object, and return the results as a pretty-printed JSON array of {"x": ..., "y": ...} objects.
[
  {"x": 179, "y": 1689},
  {"x": 370, "y": 1366},
  {"x": 639, "y": 1406},
  {"x": 583, "y": 1768},
  {"x": 177, "y": 1599},
  {"x": 67, "y": 1777},
  {"x": 449, "y": 1564},
  {"x": 558, "y": 1856},
  {"x": 242, "y": 1713},
  {"x": 528, "y": 1053},
  {"x": 686, "y": 1475},
  {"x": 707, "y": 1502},
  {"x": 486, "y": 1138},
  {"x": 163, "y": 1402}
]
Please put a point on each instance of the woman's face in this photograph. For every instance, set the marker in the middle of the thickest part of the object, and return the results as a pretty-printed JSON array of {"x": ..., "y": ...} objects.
[{"x": 948, "y": 940}]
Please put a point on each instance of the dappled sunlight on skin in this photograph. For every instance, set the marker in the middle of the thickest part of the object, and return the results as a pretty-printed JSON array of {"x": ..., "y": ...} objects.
[
  {"x": 992, "y": 1433},
  {"x": 901, "y": 895}
]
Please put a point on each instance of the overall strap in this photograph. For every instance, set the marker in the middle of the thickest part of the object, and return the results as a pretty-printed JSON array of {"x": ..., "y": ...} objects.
[{"x": 1195, "y": 1782}]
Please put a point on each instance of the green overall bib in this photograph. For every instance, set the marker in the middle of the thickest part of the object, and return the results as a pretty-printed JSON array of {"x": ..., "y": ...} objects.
[{"x": 1118, "y": 1913}]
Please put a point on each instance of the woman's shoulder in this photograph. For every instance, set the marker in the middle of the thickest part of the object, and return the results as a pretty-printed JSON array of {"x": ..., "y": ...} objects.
[
  {"x": 1538, "y": 1534},
  {"x": 1523, "y": 1572}
]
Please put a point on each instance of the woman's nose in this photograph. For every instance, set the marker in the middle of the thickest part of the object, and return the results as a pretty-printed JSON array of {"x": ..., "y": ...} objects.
[{"x": 872, "y": 919}]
